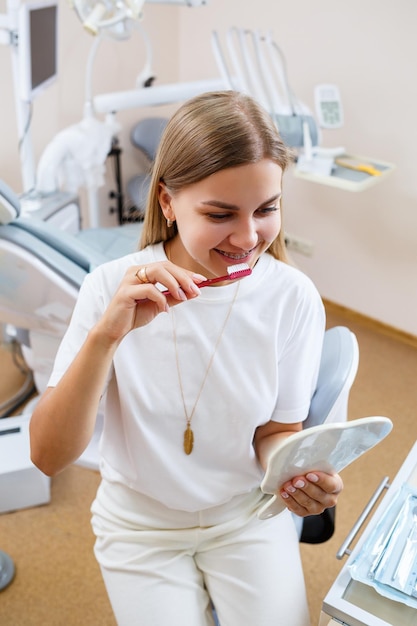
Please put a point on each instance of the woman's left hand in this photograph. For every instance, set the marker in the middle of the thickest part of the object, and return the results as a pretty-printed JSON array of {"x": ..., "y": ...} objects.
[{"x": 311, "y": 494}]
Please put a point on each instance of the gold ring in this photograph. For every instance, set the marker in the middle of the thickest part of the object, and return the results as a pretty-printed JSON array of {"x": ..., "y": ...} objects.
[{"x": 142, "y": 276}]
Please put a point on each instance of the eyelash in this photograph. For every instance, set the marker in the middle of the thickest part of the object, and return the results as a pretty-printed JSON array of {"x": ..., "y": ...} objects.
[{"x": 222, "y": 216}]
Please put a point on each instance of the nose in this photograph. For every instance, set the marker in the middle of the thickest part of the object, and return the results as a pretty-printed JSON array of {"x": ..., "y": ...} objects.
[{"x": 245, "y": 235}]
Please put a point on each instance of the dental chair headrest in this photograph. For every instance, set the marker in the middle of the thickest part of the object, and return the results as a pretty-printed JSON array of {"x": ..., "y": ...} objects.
[{"x": 9, "y": 204}]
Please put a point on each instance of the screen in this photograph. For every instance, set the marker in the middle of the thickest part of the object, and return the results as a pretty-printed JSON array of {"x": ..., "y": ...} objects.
[
  {"x": 38, "y": 48},
  {"x": 43, "y": 44}
]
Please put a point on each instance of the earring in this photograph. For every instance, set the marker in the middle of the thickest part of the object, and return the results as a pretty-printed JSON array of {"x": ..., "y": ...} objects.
[{"x": 170, "y": 223}]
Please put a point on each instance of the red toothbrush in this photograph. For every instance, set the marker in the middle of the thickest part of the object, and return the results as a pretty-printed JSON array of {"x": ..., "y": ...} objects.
[{"x": 233, "y": 272}]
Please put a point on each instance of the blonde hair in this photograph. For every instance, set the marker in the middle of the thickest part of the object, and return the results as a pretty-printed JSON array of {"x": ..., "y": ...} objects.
[{"x": 211, "y": 132}]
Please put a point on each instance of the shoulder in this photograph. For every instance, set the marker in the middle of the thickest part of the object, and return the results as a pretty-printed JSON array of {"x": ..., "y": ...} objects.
[
  {"x": 284, "y": 280},
  {"x": 287, "y": 296}
]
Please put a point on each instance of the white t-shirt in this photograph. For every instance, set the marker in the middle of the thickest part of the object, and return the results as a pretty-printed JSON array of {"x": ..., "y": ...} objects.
[{"x": 265, "y": 368}]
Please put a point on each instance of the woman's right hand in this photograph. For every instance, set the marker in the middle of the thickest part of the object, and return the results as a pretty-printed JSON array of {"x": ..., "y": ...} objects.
[{"x": 136, "y": 303}]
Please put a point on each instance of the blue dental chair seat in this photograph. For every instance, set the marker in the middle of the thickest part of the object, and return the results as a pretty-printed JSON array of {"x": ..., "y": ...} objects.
[{"x": 338, "y": 368}]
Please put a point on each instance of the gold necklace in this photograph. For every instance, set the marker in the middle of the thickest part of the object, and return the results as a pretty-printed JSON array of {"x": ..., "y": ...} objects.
[{"x": 188, "y": 443}]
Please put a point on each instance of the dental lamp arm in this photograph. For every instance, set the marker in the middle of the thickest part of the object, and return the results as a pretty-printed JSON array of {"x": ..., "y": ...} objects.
[{"x": 153, "y": 96}]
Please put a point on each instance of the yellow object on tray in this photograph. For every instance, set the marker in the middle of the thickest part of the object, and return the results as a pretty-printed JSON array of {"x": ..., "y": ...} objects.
[{"x": 359, "y": 166}]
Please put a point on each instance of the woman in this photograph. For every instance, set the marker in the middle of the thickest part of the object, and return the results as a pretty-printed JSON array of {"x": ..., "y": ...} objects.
[{"x": 198, "y": 385}]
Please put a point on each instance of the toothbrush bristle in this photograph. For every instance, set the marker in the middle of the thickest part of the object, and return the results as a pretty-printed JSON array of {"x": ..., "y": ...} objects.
[{"x": 239, "y": 270}]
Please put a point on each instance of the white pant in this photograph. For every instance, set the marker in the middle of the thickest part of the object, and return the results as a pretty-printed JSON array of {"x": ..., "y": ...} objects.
[{"x": 161, "y": 567}]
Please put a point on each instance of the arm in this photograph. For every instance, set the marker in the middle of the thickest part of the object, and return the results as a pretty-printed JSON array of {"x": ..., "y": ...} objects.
[
  {"x": 63, "y": 420},
  {"x": 303, "y": 495},
  {"x": 268, "y": 436}
]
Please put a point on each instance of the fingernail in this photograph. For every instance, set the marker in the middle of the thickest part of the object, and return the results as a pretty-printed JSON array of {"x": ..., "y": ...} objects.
[
  {"x": 291, "y": 489},
  {"x": 299, "y": 484},
  {"x": 284, "y": 495},
  {"x": 199, "y": 277},
  {"x": 195, "y": 289},
  {"x": 313, "y": 478},
  {"x": 181, "y": 294}
]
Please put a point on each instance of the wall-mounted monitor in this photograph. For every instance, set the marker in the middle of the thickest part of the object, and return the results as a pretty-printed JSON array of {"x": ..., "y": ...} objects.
[{"x": 38, "y": 47}]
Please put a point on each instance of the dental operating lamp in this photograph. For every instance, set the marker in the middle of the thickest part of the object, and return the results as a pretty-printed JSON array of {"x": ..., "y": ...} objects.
[
  {"x": 114, "y": 16},
  {"x": 111, "y": 16}
]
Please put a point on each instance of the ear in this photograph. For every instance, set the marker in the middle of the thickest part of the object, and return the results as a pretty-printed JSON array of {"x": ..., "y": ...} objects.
[{"x": 165, "y": 202}]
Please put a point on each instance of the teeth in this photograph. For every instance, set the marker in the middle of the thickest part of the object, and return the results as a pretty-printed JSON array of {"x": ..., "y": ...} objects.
[{"x": 235, "y": 257}]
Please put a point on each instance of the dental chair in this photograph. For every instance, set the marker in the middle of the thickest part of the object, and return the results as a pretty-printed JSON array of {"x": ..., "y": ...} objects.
[
  {"x": 338, "y": 368},
  {"x": 41, "y": 270},
  {"x": 145, "y": 136}
]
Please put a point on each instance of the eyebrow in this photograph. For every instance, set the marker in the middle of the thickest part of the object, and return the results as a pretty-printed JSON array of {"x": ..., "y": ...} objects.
[{"x": 233, "y": 207}]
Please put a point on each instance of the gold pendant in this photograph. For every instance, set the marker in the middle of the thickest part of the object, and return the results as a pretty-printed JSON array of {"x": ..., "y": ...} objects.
[{"x": 188, "y": 440}]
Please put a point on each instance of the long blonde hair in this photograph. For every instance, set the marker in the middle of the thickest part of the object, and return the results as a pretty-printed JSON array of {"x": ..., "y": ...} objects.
[{"x": 211, "y": 132}]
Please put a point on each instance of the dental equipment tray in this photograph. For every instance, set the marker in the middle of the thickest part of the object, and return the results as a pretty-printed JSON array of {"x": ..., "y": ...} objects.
[
  {"x": 388, "y": 559},
  {"x": 350, "y": 172}
]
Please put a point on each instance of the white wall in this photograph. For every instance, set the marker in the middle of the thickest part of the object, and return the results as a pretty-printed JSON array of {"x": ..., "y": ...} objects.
[{"x": 365, "y": 244}]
